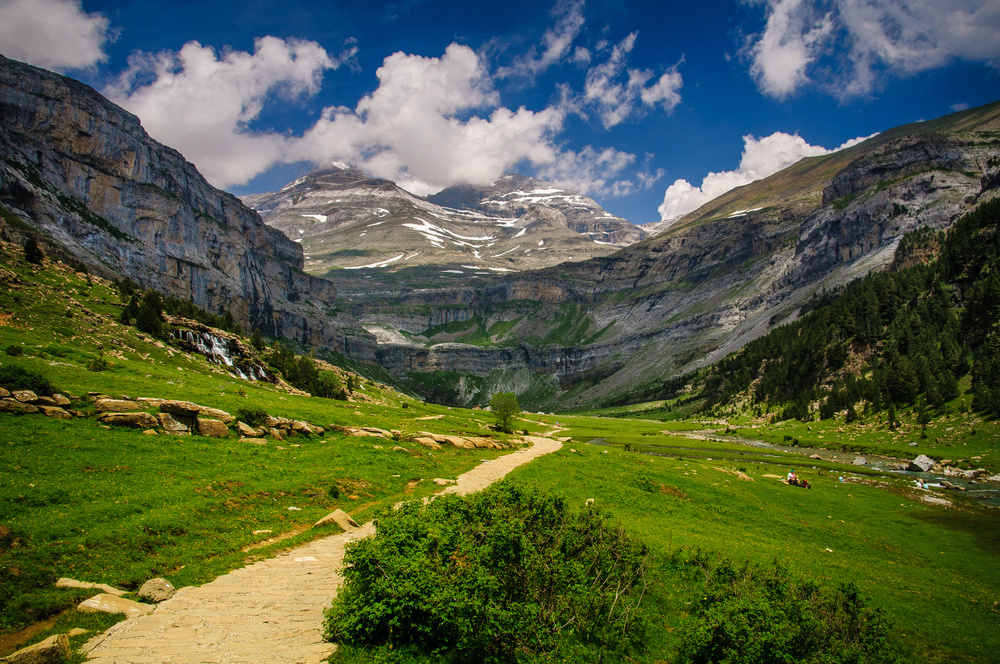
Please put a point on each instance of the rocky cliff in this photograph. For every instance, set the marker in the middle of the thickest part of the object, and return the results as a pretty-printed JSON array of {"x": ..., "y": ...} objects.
[
  {"x": 613, "y": 326},
  {"x": 84, "y": 172}
]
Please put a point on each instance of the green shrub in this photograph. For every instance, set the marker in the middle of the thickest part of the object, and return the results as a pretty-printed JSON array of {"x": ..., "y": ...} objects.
[
  {"x": 753, "y": 615},
  {"x": 506, "y": 575},
  {"x": 14, "y": 350},
  {"x": 32, "y": 252},
  {"x": 99, "y": 363},
  {"x": 255, "y": 417},
  {"x": 504, "y": 406},
  {"x": 14, "y": 377}
]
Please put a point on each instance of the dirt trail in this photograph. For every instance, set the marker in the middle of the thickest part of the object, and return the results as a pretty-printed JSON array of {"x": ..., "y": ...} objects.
[{"x": 270, "y": 612}]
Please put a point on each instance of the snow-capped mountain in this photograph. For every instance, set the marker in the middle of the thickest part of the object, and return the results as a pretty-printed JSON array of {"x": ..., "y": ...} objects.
[{"x": 345, "y": 220}]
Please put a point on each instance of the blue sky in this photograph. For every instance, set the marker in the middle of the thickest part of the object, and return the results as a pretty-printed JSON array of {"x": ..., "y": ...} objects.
[{"x": 633, "y": 103}]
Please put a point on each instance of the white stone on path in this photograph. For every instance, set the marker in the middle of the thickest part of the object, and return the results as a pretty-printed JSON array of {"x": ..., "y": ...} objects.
[{"x": 270, "y": 612}]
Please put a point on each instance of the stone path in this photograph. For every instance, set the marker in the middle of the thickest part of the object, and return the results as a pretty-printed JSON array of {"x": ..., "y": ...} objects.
[{"x": 270, "y": 612}]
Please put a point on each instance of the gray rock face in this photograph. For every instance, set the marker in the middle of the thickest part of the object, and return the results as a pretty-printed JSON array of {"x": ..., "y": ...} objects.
[
  {"x": 921, "y": 464},
  {"x": 85, "y": 172}
]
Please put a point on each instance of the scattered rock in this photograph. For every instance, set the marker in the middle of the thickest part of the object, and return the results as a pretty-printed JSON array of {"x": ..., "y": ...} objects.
[
  {"x": 443, "y": 482},
  {"x": 65, "y": 582},
  {"x": 294, "y": 509},
  {"x": 341, "y": 518},
  {"x": 378, "y": 432},
  {"x": 816, "y": 457},
  {"x": 117, "y": 406},
  {"x": 55, "y": 411},
  {"x": 52, "y": 650},
  {"x": 397, "y": 448},
  {"x": 25, "y": 396},
  {"x": 134, "y": 420},
  {"x": 217, "y": 414},
  {"x": 157, "y": 590},
  {"x": 61, "y": 400},
  {"x": 276, "y": 433},
  {"x": 921, "y": 464},
  {"x": 588, "y": 502},
  {"x": 172, "y": 425},
  {"x": 428, "y": 442},
  {"x": 182, "y": 408},
  {"x": 4, "y": 393},
  {"x": 11, "y": 406},
  {"x": 432, "y": 417},
  {"x": 859, "y": 461},
  {"x": 262, "y": 532},
  {"x": 213, "y": 428},
  {"x": 913, "y": 444},
  {"x": 301, "y": 428},
  {"x": 77, "y": 631},
  {"x": 151, "y": 432},
  {"x": 105, "y": 603},
  {"x": 255, "y": 441},
  {"x": 246, "y": 430}
]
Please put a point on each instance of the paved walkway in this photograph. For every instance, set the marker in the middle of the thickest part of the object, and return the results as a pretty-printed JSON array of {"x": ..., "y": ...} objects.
[{"x": 270, "y": 612}]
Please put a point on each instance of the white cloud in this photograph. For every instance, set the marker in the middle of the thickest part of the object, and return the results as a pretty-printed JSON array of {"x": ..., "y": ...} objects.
[
  {"x": 55, "y": 34},
  {"x": 761, "y": 158},
  {"x": 409, "y": 131},
  {"x": 590, "y": 171},
  {"x": 556, "y": 43},
  {"x": 202, "y": 104},
  {"x": 618, "y": 92},
  {"x": 849, "y": 45}
]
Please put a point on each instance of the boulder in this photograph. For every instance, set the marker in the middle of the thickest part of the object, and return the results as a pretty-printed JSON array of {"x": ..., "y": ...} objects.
[
  {"x": 921, "y": 464},
  {"x": 213, "y": 428},
  {"x": 215, "y": 413},
  {"x": 53, "y": 650},
  {"x": 157, "y": 590},
  {"x": 65, "y": 582},
  {"x": 11, "y": 406},
  {"x": 859, "y": 461},
  {"x": 117, "y": 406},
  {"x": 255, "y": 441},
  {"x": 276, "y": 433},
  {"x": 182, "y": 408},
  {"x": 134, "y": 420},
  {"x": 56, "y": 411},
  {"x": 172, "y": 425},
  {"x": 105, "y": 603},
  {"x": 339, "y": 517},
  {"x": 428, "y": 442},
  {"x": 301, "y": 428},
  {"x": 45, "y": 401},
  {"x": 246, "y": 430},
  {"x": 816, "y": 457},
  {"x": 25, "y": 396},
  {"x": 459, "y": 442},
  {"x": 4, "y": 393},
  {"x": 379, "y": 432}
]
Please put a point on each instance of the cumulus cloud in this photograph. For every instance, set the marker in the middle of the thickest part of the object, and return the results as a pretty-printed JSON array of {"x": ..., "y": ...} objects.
[
  {"x": 761, "y": 158},
  {"x": 849, "y": 45},
  {"x": 202, "y": 103},
  {"x": 617, "y": 92},
  {"x": 409, "y": 129},
  {"x": 55, "y": 34},
  {"x": 556, "y": 43},
  {"x": 590, "y": 171}
]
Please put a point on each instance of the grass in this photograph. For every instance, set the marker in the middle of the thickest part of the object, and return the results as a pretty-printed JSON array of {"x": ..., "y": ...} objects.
[{"x": 119, "y": 507}]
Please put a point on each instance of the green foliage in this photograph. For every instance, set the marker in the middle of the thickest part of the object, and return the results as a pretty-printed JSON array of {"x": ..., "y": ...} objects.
[
  {"x": 15, "y": 377},
  {"x": 252, "y": 415},
  {"x": 99, "y": 363},
  {"x": 145, "y": 310},
  {"x": 752, "y": 615},
  {"x": 32, "y": 252},
  {"x": 505, "y": 575},
  {"x": 14, "y": 350},
  {"x": 504, "y": 406},
  {"x": 257, "y": 340},
  {"x": 916, "y": 328}
]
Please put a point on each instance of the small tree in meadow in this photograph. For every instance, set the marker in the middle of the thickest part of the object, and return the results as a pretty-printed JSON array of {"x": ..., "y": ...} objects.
[{"x": 504, "y": 406}]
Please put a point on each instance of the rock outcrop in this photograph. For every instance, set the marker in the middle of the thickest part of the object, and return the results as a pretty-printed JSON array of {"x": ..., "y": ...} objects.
[{"x": 84, "y": 172}]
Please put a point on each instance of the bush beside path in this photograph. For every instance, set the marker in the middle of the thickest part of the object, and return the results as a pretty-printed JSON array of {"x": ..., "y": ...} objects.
[{"x": 270, "y": 612}]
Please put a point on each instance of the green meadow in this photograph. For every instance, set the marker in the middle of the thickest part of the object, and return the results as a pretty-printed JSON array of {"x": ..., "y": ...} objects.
[{"x": 120, "y": 506}]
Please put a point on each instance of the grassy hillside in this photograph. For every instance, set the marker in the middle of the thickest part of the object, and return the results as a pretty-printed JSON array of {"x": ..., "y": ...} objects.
[{"x": 120, "y": 506}]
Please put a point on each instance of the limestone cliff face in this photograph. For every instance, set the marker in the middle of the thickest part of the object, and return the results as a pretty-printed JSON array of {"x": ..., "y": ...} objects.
[
  {"x": 83, "y": 171},
  {"x": 700, "y": 290}
]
